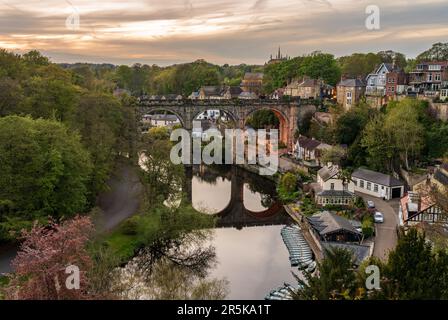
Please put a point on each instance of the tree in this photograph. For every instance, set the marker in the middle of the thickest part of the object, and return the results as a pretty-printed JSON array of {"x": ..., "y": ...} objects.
[
  {"x": 11, "y": 97},
  {"x": 336, "y": 279},
  {"x": 407, "y": 133},
  {"x": 46, "y": 252},
  {"x": 320, "y": 65},
  {"x": 378, "y": 144},
  {"x": 438, "y": 52},
  {"x": 263, "y": 119},
  {"x": 99, "y": 120},
  {"x": 350, "y": 124},
  {"x": 414, "y": 271},
  {"x": 162, "y": 178},
  {"x": 334, "y": 155},
  {"x": 45, "y": 171}
]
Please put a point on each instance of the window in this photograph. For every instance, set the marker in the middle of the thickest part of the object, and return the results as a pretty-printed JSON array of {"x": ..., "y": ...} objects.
[
  {"x": 361, "y": 183},
  {"x": 429, "y": 76},
  {"x": 434, "y": 67},
  {"x": 375, "y": 187},
  {"x": 349, "y": 97},
  {"x": 369, "y": 186},
  {"x": 332, "y": 186},
  {"x": 437, "y": 77}
]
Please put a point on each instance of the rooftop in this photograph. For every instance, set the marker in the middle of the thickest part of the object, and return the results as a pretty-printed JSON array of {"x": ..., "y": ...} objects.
[
  {"x": 308, "y": 143},
  {"x": 328, "y": 172},
  {"x": 327, "y": 222},
  {"x": 352, "y": 83},
  {"x": 377, "y": 177},
  {"x": 360, "y": 253},
  {"x": 253, "y": 76}
]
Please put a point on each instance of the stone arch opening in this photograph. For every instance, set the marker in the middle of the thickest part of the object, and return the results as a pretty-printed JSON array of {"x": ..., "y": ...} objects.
[
  {"x": 284, "y": 126},
  {"x": 161, "y": 117}
]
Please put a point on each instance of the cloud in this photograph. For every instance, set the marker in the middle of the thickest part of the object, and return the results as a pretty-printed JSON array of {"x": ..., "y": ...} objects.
[{"x": 221, "y": 31}]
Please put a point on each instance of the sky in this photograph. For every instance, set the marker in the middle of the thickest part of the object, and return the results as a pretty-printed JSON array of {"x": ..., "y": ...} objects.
[{"x": 164, "y": 32}]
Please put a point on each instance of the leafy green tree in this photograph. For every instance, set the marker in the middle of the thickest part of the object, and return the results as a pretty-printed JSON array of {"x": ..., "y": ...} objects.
[
  {"x": 99, "y": 119},
  {"x": 335, "y": 155},
  {"x": 45, "y": 171},
  {"x": 378, "y": 144},
  {"x": 438, "y": 52},
  {"x": 320, "y": 65},
  {"x": 49, "y": 98},
  {"x": 11, "y": 97},
  {"x": 162, "y": 179},
  {"x": 359, "y": 64},
  {"x": 414, "y": 271},
  {"x": 350, "y": 124},
  {"x": 336, "y": 280}
]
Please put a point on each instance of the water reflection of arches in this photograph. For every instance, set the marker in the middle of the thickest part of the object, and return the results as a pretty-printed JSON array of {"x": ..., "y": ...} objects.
[{"x": 235, "y": 213}]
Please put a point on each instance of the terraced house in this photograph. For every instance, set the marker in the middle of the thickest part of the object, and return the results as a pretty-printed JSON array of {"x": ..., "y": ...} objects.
[
  {"x": 384, "y": 84},
  {"x": 349, "y": 92},
  {"x": 430, "y": 79}
]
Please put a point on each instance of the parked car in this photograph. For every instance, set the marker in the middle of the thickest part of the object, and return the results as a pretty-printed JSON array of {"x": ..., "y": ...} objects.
[
  {"x": 378, "y": 217},
  {"x": 370, "y": 204}
]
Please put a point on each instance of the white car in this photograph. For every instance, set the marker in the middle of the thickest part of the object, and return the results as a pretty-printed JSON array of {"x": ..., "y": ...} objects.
[
  {"x": 378, "y": 217},
  {"x": 370, "y": 204}
]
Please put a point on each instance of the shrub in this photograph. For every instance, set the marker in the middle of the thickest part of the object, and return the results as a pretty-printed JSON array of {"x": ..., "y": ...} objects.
[
  {"x": 367, "y": 227},
  {"x": 129, "y": 227}
]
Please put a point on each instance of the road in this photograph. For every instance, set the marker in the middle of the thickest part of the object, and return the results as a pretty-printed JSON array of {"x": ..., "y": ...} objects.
[
  {"x": 121, "y": 201},
  {"x": 386, "y": 233}
]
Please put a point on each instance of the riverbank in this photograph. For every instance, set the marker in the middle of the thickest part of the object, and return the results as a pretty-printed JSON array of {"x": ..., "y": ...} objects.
[{"x": 121, "y": 201}]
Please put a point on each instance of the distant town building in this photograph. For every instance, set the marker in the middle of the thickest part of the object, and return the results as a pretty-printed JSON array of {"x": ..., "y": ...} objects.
[
  {"x": 310, "y": 150},
  {"x": 278, "y": 57},
  {"x": 385, "y": 83},
  {"x": 278, "y": 94},
  {"x": 248, "y": 95},
  {"x": 161, "y": 120},
  {"x": 252, "y": 82},
  {"x": 430, "y": 79},
  {"x": 211, "y": 92},
  {"x": 349, "y": 92},
  {"x": 232, "y": 92},
  {"x": 377, "y": 184},
  {"x": 308, "y": 89}
]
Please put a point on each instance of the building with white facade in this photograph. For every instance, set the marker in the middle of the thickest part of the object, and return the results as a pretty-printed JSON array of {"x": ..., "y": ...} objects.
[
  {"x": 377, "y": 184},
  {"x": 332, "y": 189}
]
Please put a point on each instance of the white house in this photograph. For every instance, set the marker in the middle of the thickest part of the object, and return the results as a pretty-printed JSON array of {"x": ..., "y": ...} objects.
[
  {"x": 377, "y": 184},
  {"x": 333, "y": 190}
]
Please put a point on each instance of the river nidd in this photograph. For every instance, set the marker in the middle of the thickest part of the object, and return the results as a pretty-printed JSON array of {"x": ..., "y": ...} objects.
[{"x": 249, "y": 248}]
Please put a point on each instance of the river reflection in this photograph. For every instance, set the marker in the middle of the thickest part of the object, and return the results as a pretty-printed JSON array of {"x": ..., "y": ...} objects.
[
  {"x": 249, "y": 248},
  {"x": 254, "y": 260}
]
